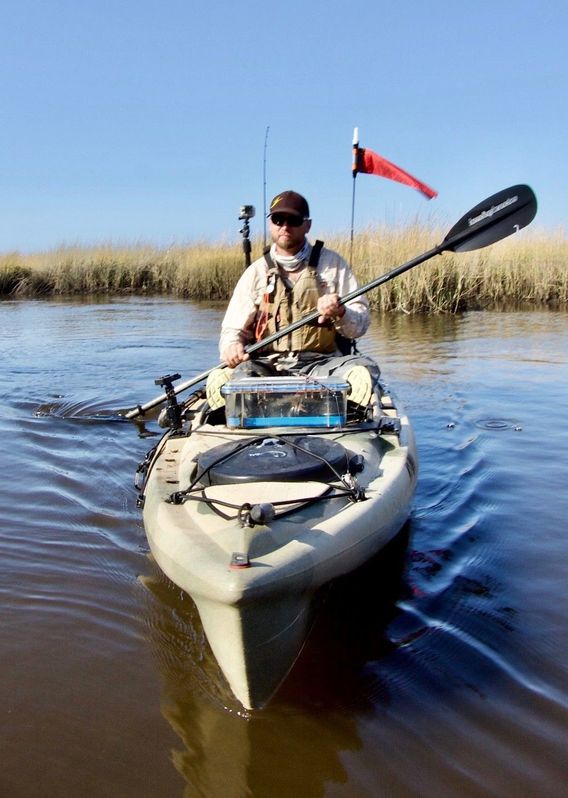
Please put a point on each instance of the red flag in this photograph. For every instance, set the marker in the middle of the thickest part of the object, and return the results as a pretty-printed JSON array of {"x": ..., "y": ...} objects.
[{"x": 368, "y": 162}]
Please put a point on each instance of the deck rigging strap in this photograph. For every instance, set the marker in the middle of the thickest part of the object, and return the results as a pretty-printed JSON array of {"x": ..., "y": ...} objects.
[{"x": 346, "y": 487}]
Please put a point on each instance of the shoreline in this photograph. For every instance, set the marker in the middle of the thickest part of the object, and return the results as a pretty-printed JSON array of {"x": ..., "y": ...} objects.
[{"x": 528, "y": 270}]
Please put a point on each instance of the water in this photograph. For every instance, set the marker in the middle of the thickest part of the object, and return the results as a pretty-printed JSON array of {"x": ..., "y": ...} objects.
[{"x": 442, "y": 670}]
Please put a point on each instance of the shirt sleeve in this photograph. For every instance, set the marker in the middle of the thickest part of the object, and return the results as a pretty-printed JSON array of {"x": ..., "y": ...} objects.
[
  {"x": 238, "y": 322},
  {"x": 339, "y": 277}
]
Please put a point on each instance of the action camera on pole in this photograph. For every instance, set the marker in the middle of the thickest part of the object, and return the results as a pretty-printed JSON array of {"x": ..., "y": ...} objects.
[{"x": 246, "y": 212}]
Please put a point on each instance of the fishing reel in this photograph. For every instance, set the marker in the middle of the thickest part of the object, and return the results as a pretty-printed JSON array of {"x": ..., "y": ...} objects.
[{"x": 246, "y": 212}]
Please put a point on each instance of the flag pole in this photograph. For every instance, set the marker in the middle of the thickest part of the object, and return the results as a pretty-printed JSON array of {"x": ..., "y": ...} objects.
[{"x": 354, "y": 171}]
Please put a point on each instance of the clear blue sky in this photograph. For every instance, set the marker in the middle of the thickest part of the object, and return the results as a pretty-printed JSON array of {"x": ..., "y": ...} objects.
[{"x": 138, "y": 120}]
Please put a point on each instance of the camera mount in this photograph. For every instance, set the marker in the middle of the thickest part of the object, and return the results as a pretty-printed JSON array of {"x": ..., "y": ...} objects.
[{"x": 246, "y": 213}]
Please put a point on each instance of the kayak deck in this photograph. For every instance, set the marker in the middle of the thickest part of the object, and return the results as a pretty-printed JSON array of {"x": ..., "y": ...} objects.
[{"x": 253, "y": 554}]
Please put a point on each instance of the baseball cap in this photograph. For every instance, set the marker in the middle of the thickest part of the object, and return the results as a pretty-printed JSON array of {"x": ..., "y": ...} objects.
[{"x": 290, "y": 202}]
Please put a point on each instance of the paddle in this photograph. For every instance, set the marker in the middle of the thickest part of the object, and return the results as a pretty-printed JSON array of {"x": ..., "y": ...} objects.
[{"x": 495, "y": 218}]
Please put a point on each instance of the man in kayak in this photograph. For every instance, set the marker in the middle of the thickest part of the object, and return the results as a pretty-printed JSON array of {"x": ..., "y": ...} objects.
[{"x": 290, "y": 281}]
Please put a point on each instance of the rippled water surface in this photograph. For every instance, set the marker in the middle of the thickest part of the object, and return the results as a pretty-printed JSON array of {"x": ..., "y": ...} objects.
[{"x": 440, "y": 671}]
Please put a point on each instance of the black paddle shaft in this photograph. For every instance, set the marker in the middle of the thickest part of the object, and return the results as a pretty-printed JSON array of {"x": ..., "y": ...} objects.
[{"x": 495, "y": 218}]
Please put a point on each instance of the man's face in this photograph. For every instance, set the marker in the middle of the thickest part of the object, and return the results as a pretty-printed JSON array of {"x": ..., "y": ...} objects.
[{"x": 288, "y": 238}]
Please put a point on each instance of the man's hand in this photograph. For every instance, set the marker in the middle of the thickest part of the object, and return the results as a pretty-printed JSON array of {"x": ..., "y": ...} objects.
[
  {"x": 329, "y": 308},
  {"x": 234, "y": 354}
]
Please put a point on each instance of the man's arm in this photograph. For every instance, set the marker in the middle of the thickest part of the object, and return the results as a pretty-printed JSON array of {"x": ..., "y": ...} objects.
[
  {"x": 237, "y": 325},
  {"x": 339, "y": 276}
]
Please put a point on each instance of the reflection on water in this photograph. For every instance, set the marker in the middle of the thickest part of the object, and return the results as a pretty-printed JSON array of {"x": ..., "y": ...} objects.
[
  {"x": 229, "y": 751},
  {"x": 439, "y": 670}
]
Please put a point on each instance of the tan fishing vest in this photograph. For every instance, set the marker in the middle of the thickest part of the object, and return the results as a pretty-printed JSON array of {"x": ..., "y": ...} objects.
[{"x": 282, "y": 305}]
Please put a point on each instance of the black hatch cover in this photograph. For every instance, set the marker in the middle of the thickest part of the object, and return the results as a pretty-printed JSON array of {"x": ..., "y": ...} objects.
[{"x": 293, "y": 459}]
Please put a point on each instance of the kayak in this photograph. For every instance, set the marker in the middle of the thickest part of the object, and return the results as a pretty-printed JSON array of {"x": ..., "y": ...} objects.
[{"x": 254, "y": 507}]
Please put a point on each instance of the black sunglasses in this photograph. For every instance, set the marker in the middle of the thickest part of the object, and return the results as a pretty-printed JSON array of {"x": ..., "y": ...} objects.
[{"x": 280, "y": 219}]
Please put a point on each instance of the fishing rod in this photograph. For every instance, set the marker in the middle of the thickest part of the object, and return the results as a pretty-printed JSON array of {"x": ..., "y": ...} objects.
[
  {"x": 247, "y": 212},
  {"x": 497, "y": 217},
  {"x": 264, "y": 186}
]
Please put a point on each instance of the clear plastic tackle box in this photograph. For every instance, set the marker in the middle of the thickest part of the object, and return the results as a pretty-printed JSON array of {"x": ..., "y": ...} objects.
[{"x": 255, "y": 402}]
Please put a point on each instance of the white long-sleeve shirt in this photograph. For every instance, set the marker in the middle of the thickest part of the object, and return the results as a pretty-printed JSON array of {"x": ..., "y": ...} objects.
[{"x": 336, "y": 275}]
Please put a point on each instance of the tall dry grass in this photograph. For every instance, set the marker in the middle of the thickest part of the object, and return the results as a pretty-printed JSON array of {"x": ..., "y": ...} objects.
[
  {"x": 527, "y": 269},
  {"x": 199, "y": 271}
]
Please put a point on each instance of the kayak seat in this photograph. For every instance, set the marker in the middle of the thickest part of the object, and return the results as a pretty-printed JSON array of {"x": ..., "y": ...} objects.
[
  {"x": 361, "y": 385},
  {"x": 215, "y": 381}
]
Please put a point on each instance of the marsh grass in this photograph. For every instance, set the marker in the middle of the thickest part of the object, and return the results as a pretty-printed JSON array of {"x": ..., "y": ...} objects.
[{"x": 529, "y": 269}]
